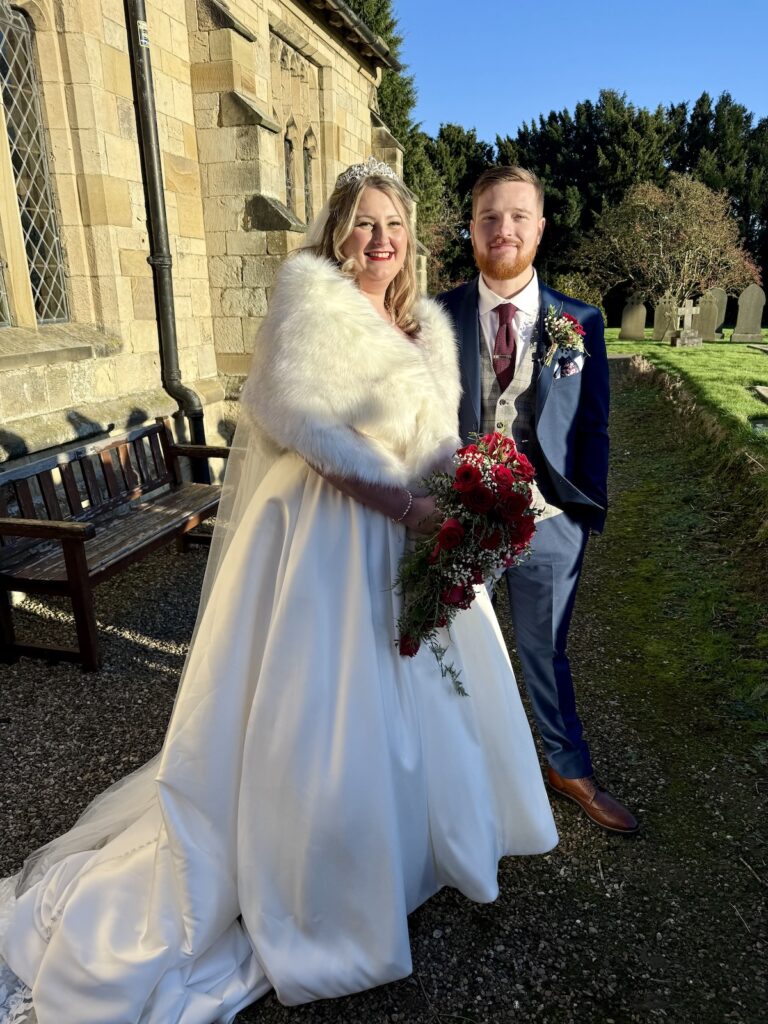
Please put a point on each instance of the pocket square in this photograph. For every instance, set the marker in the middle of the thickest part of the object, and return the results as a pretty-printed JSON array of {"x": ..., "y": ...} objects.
[{"x": 567, "y": 366}]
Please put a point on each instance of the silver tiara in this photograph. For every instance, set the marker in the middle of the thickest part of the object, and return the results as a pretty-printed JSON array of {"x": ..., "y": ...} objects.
[{"x": 372, "y": 167}]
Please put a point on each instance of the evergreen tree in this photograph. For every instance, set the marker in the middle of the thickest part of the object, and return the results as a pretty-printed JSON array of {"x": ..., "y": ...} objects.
[
  {"x": 587, "y": 162},
  {"x": 459, "y": 158}
]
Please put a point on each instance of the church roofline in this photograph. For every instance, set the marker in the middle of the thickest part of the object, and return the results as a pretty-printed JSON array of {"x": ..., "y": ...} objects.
[{"x": 355, "y": 32}]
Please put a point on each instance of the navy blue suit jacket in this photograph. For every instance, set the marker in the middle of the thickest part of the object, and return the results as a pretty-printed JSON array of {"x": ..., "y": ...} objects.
[{"x": 571, "y": 420}]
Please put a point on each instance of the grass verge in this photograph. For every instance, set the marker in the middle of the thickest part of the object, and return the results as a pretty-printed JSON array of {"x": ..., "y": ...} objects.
[{"x": 692, "y": 584}]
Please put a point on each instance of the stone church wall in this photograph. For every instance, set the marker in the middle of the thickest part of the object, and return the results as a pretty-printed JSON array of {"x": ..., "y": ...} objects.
[{"x": 260, "y": 104}]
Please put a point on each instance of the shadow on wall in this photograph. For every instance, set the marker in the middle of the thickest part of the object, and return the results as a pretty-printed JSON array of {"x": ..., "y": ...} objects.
[{"x": 12, "y": 446}]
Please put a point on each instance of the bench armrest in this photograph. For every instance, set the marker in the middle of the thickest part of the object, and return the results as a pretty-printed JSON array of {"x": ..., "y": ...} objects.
[
  {"x": 46, "y": 529},
  {"x": 200, "y": 451}
]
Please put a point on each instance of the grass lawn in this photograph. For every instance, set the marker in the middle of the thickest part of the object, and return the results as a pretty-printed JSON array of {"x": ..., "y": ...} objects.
[{"x": 720, "y": 375}]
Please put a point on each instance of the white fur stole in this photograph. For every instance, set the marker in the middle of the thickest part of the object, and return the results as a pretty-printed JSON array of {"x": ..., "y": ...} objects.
[{"x": 334, "y": 382}]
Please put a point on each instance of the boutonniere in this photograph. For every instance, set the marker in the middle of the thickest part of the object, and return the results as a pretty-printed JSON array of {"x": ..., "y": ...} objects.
[{"x": 564, "y": 332}]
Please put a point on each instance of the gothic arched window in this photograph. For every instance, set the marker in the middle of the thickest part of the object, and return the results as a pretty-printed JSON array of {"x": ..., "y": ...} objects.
[
  {"x": 310, "y": 150},
  {"x": 290, "y": 174},
  {"x": 308, "y": 158},
  {"x": 29, "y": 160}
]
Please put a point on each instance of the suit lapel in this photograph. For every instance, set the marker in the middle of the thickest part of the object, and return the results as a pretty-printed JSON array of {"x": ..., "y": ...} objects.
[
  {"x": 469, "y": 332},
  {"x": 546, "y": 373}
]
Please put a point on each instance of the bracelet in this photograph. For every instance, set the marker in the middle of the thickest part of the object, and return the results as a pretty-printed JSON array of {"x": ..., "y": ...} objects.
[{"x": 406, "y": 510}]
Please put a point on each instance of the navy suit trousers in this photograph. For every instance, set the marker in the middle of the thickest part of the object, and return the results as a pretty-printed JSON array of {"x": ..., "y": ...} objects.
[{"x": 542, "y": 592}]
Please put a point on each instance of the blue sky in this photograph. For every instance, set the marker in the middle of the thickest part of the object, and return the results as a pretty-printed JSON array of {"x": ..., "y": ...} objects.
[{"x": 495, "y": 64}]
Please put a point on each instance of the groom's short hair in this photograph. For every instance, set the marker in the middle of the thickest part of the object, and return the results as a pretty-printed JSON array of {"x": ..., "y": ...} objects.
[{"x": 496, "y": 175}]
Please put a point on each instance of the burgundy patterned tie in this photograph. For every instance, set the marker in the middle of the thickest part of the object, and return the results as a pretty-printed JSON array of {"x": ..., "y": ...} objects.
[{"x": 504, "y": 349}]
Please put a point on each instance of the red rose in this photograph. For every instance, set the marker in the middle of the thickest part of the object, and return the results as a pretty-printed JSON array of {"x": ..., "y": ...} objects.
[
  {"x": 479, "y": 500},
  {"x": 491, "y": 540},
  {"x": 441, "y": 622},
  {"x": 576, "y": 325},
  {"x": 458, "y": 596},
  {"x": 478, "y": 576},
  {"x": 507, "y": 450},
  {"x": 469, "y": 449},
  {"x": 512, "y": 505},
  {"x": 435, "y": 554},
  {"x": 503, "y": 477},
  {"x": 523, "y": 531},
  {"x": 492, "y": 441},
  {"x": 409, "y": 646},
  {"x": 450, "y": 535},
  {"x": 467, "y": 476},
  {"x": 453, "y": 595},
  {"x": 523, "y": 468}
]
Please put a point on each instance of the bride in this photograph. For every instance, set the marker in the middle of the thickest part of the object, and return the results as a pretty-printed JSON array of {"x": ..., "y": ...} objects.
[{"x": 314, "y": 787}]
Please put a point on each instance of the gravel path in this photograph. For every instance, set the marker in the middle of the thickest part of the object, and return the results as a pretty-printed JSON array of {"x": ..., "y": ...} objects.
[{"x": 668, "y": 926}]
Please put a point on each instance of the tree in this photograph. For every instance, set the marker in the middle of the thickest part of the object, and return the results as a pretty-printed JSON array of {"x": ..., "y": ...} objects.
[
  {"x": 579, "y": 287},
  {"x": 681, "y": 239},
  {"x": 459, "y": 158}
]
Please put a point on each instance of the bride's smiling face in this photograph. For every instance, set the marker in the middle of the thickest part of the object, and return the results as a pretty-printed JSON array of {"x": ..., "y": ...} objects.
[{"x": 378, "y": 242}]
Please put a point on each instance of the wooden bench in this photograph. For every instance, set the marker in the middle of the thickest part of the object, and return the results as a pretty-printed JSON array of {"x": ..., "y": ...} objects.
[{"x": 70, "y": 521}]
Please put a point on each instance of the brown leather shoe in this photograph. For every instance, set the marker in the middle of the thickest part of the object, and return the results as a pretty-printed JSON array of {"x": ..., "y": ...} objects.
[{"x": 596, "y": 802}]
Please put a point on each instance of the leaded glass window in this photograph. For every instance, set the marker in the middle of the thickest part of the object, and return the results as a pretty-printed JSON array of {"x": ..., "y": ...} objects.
[
  {"x": 290, "y": 179},
  {"x": 308, "y": 184},
  {"x": 21, "y": 101},
  {"x": 5, "y": 313}
]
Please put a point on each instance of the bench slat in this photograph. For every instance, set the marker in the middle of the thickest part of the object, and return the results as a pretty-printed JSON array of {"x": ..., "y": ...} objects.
[
  {"x": 91, "y": 484},
  {"x": 159, "y": 458},
  {"x": 129, "y": 473},
  {"x": 141, "y": 460},
  {"x": 25, "y": 499},
  {"x": 70, "y": 488},
  {"x": 50, "y": 497},
  {"x": 110, "y": 477}
]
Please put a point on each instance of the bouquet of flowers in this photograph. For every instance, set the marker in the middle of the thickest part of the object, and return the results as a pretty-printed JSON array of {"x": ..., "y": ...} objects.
[{"x": 488, "y": 523}]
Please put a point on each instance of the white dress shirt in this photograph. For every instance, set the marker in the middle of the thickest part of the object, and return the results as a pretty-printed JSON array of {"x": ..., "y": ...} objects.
[{"x": 526, "y": 302}]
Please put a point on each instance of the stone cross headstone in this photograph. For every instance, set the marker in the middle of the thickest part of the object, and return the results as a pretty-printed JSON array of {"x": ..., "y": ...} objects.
[
  {"x": 633, "y": 320},
  {"x": 686, "y": 336},
  {"x": 721, "y": 298},
  {"x": 751, "y": 302},
  {"x": 664, "y": 319},
  {"x": 705, "y": 323}
]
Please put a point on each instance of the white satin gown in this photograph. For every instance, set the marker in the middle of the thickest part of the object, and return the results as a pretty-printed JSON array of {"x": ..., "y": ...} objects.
[{"x": 314, "y": 788}]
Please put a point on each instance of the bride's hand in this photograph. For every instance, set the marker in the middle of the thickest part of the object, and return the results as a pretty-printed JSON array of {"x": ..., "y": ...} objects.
[
  {"x": 422, "y": 517},
  {"x": 390, "y": 501}
]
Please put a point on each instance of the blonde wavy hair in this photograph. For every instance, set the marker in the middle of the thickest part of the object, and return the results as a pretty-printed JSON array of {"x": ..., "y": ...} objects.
[{"x": 403, "y": 291}]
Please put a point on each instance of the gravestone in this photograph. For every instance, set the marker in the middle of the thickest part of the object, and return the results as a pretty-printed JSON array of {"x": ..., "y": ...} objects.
[
  {"x": 664, "y": 318},
  {"x": 721, "y": 297},
  {"x": 633, "y": 320},
  {"x": 686, "y": 336},
  {"x": 705, "y": 324},
  {"x": 751, "y": 302}
]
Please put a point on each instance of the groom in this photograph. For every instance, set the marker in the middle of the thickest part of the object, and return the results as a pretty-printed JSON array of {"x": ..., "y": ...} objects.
[{"x": 553, "y": 400}]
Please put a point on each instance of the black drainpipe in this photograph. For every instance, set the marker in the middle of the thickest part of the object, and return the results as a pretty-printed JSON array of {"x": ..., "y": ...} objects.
[{"x": 160, "y": 258}]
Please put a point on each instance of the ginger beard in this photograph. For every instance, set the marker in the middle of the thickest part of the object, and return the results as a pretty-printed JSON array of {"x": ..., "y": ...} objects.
[{"x": 502, "y": 268}]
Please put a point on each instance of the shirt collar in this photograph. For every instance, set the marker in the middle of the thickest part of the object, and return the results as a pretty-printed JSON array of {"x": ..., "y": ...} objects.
[{"x": 526, "y": 300}]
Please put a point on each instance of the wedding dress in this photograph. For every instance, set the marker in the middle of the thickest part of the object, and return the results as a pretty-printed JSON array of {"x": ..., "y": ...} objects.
[{"x": 314, "y": 787}]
